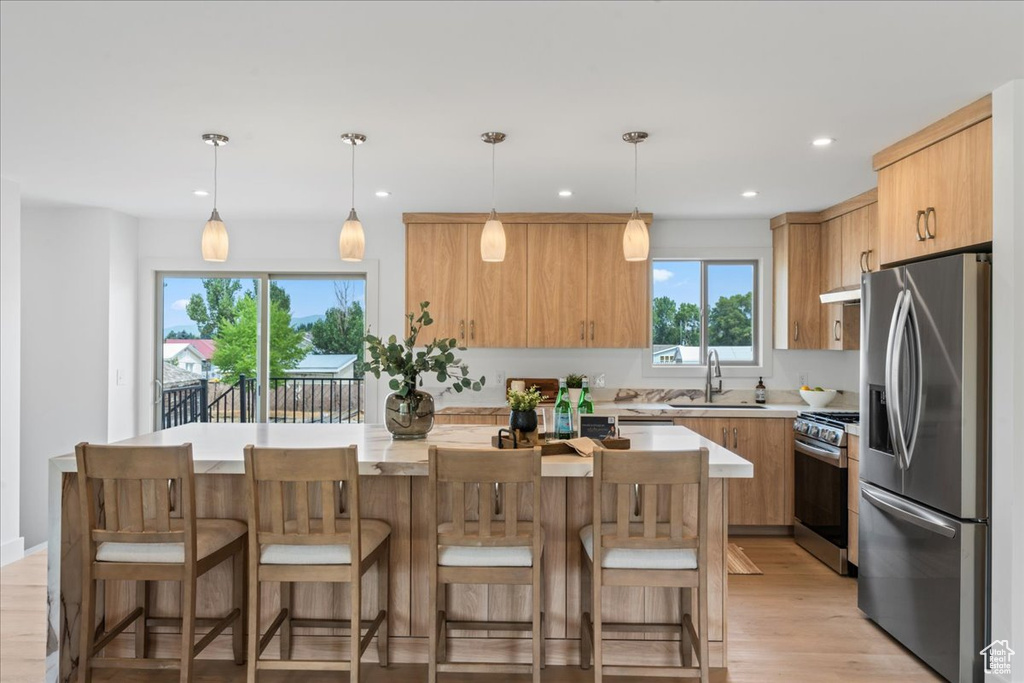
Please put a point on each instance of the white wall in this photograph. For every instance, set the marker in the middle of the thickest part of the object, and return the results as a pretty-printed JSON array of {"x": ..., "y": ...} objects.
[
  {"x": 285, "y": 242},
  {"x": 123, "y": 328},
  {"x": 73, "y": 321},
  {"x": 1008, "y": 379},
  {"x": 12, "y": 544}
]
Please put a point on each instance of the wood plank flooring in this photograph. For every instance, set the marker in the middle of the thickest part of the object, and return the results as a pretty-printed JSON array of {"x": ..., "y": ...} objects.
[{"x": 797, "y": 622}]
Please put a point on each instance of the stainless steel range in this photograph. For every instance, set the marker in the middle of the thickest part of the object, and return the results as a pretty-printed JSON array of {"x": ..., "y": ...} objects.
[{"x": 820, "y": 486}]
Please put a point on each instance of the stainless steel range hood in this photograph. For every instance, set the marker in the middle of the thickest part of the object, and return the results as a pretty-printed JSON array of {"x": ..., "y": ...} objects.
[{"x": 841, "y": 295}]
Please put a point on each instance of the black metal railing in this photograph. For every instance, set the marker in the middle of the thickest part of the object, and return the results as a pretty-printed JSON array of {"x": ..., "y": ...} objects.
[{"x": 289, "y": 399}]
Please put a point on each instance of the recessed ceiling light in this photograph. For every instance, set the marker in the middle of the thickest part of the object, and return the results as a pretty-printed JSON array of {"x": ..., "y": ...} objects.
[
  {"x": 750, "y": 193},
  {"x": 382, "y": 193},
  {"x": 823, "y": 142},
  {"x": 201, "y": 193},
  {"x": 565, "y": 193}
]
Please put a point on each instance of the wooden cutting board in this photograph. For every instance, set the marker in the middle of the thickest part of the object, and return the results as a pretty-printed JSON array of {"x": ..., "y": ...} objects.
[{"x": 548, "y": 387}]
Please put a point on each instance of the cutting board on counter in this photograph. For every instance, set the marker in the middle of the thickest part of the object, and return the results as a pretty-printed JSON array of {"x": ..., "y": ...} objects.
[{"x": 548, "y": 387}]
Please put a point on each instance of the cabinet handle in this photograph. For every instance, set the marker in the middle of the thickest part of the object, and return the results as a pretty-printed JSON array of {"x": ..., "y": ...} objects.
[
  {"x": 591, "y": 330},
  {"x": 867, "y": 260},
  {"x": 583, "y": 328},
  {"x": 917, "y": 227},
  {"x": 928, "y": 213},
  {"x": 725, "y": 437},
  {"x": 836, "y": 328},
  {"x": 863, "y": 255},
  {"x": 462, "y": 330},
  {"x": 472, "y": 330},
  {"x": 796, "y": 331},
  {"x": 735, "y": 438}
]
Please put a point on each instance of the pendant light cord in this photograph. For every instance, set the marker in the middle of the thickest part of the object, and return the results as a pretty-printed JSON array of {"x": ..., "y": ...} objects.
[
  {"x": 635, "y": 166},
  {"x": 215, "y": 146},
  {"x": 492, "y": 175},
  {"x": 353, "y": 176}
]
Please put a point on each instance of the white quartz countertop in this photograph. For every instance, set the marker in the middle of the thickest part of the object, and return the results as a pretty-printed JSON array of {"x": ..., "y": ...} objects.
[
  {"x": 635, "y": 409},
  {"x": 218, "y": 448}
]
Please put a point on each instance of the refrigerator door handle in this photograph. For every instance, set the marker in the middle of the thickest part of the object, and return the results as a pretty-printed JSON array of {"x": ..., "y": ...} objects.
[
  {"x": 895, "y": 507},
  {"x": 916, "y": 378},
  {"x": 897, "y": 400},
  {"x": 891, "y": 395}
]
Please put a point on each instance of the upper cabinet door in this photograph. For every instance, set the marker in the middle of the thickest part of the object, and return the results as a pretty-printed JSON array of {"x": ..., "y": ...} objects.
[
  {"x": 557, "y": 285},
  {"x": 435, "y": 271},
  {"x": 804, "y": 286},
  {"x": 860, "y": 244},
  {"x": 618, "y": 294},
  {"x": 830, "y": 321},
  {"x": 497, "y": 292}
]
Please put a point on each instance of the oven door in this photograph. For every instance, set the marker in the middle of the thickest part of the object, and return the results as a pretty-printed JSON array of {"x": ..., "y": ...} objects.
[{"x": 820, "y": 475}]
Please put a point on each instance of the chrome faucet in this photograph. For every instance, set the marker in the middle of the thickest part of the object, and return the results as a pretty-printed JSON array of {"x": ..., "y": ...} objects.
[{"x": 709, "y": 390}]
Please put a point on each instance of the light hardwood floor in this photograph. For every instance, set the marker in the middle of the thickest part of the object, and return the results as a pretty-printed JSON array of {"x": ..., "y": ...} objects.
[{"x": 797, "y": 622}]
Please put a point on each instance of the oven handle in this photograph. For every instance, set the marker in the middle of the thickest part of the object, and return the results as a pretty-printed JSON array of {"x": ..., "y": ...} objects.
[
  {"x": 893, "y": 506},
  {"x": 825, "y": 455}
]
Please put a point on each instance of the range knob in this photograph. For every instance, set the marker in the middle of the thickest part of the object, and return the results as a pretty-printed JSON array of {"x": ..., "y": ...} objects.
[
  {"x": 832, "y": 437},
  {"x": 813, "y": 431}
]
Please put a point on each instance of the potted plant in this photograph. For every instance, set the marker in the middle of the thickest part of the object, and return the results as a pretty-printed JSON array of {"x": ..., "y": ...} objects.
[
  {"x": 574, "y": 383},
  {"x": 524, "y": 409},
  {"x": 409, "y": 412}
]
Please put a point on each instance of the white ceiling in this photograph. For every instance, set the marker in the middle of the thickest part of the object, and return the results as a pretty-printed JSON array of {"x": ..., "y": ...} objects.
[{"x": 103, "y": 103}]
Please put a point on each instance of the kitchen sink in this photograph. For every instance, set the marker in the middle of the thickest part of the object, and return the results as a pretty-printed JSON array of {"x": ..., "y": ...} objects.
[{"x": 730, "y": 406}]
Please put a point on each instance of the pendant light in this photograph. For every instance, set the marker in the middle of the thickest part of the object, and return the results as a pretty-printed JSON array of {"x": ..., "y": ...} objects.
[
  {"x": 636, "y": 243},
  {"x": 215, "y": 235},
  {"x": 352, "y": 242},
  {"x": 492, "y": 240}
]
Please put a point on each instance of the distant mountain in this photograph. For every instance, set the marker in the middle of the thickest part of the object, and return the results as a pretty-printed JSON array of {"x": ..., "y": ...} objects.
[
  {"x": 307, "y": 319},
  {"x": 190, "y": 328}
]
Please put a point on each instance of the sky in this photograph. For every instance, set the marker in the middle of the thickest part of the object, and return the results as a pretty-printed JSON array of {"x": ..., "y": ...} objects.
[
  {"x": 680, "y": 280},
  {"x": 309, "y": 297}
]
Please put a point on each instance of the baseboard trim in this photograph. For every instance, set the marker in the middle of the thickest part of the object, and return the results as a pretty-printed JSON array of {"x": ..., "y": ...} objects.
[{"x": 12, "y": 551}]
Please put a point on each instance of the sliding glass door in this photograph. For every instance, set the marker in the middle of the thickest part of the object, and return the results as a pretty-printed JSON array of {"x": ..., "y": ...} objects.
[{"x": 259, "y": 348}]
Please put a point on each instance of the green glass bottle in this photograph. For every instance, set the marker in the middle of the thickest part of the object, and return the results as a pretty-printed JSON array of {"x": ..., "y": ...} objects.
[
  {"x": 563, "y": 412},
  {"x": 586, "y": 404}
]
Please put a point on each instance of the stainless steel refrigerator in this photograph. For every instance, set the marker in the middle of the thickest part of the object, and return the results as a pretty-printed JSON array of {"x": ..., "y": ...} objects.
[{"x": 924, "y": 459}]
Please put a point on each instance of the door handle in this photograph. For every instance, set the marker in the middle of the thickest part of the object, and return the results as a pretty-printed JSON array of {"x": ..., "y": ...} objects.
[
  {"x": 917, "y": 227},
  {"x": 863, "y": 256},
  {"x": 891, "y": 396},
  {"x": 159, "y": 392},
  {"x": 591, "y": 330},
  {"x": 583, "y": 327},
  {"x": 796, "y": 331},
  {"x": 735, "y": 438},
  {"x": 922, "y": 518},
  {"x": 462, "y": 330},
  {"x": 897, "y": 352},
  {"x": 472, "y": 330},
  {"x": 867, "y": 260},
  {"x": 928, "y": 214},
  {"x": 725, "y": 437},
  {"x": 836, "y": 330}
]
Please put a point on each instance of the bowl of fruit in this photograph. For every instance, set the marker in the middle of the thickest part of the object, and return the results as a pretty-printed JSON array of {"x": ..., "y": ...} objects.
[{"x": 817, "y": 397}]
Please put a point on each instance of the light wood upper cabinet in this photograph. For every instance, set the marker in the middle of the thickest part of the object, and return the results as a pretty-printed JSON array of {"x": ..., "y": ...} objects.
[
  {"x": 860, "y": 244},
  {"x": 436, "y": 271},
  {"x": 796, "y": 278},
  {"x": 497, "y": 291},
  {"x": 935, "y": 188},
  {"x": 557, "y": 285},
  {"x": 615, "y": 286},
  {"x": 830, "y": 324}
]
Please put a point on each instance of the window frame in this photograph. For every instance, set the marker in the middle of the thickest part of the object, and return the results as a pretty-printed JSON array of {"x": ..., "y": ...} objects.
[{"x": 762, "y": 363}]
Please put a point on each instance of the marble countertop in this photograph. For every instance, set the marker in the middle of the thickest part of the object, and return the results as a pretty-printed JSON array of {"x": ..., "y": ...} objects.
[
  {"x": 218, "y": 448},
  {"x": 624, "y": 409},
  {"x": 853, "y": 429}
]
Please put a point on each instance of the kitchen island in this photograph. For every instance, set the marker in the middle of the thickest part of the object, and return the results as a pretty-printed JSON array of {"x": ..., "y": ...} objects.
[{"x": 395, "y": 490}]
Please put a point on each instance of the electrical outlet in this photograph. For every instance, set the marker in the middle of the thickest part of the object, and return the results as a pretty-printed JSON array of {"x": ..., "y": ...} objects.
[
  {"x": 119, "y": 377},
  {"x": 499, "y": 379},
  {"x": 804, "y": 379},
  {"x": 599, "y": 380}
]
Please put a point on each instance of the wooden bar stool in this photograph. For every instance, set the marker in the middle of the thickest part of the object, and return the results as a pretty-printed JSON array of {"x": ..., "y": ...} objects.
[
  {"x": 495, "y": 548},
  {"x": 647, "y": 552},
  {"x": 291, "y": 546},
  {"x": 139, "y": 508}
]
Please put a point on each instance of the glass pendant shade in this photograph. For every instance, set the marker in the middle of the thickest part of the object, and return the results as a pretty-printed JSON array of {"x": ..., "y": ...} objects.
[
  {"x": 492, "y": 240},
  {"x": 636, "y": 243},
  {"x": 215, "y": 239},
  {"x": 352, "y": 243}
]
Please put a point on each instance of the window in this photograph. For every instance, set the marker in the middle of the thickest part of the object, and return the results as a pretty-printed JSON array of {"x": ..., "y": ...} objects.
[{"x": 700, "y": 305}]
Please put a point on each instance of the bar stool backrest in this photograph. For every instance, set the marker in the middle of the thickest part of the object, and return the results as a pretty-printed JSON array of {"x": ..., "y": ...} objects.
[{"x": 137, "y": 494}]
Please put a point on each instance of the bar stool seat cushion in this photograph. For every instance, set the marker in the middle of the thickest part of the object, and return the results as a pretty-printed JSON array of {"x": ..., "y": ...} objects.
[
  {"x": 486, "y": 556},
  {"x": 211, "y": 536},
  {"x": 373, "y": 531},
  {"x": 638, "y": 558}
]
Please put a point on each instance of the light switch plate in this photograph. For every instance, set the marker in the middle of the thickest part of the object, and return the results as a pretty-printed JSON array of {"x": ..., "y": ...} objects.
[{"x": 804, "y": 379}]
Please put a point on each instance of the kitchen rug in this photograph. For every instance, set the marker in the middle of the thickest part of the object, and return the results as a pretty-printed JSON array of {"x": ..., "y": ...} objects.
[{"x": 739, "y": 563}]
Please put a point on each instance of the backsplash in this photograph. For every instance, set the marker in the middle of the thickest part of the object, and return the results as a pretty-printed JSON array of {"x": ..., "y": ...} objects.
[{"x": 844, "y": 399}]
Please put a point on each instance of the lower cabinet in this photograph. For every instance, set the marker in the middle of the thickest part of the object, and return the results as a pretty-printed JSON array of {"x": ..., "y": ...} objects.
[
  {"x": 765, "y": 500},
  {"x": 853, "y": 495}
]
